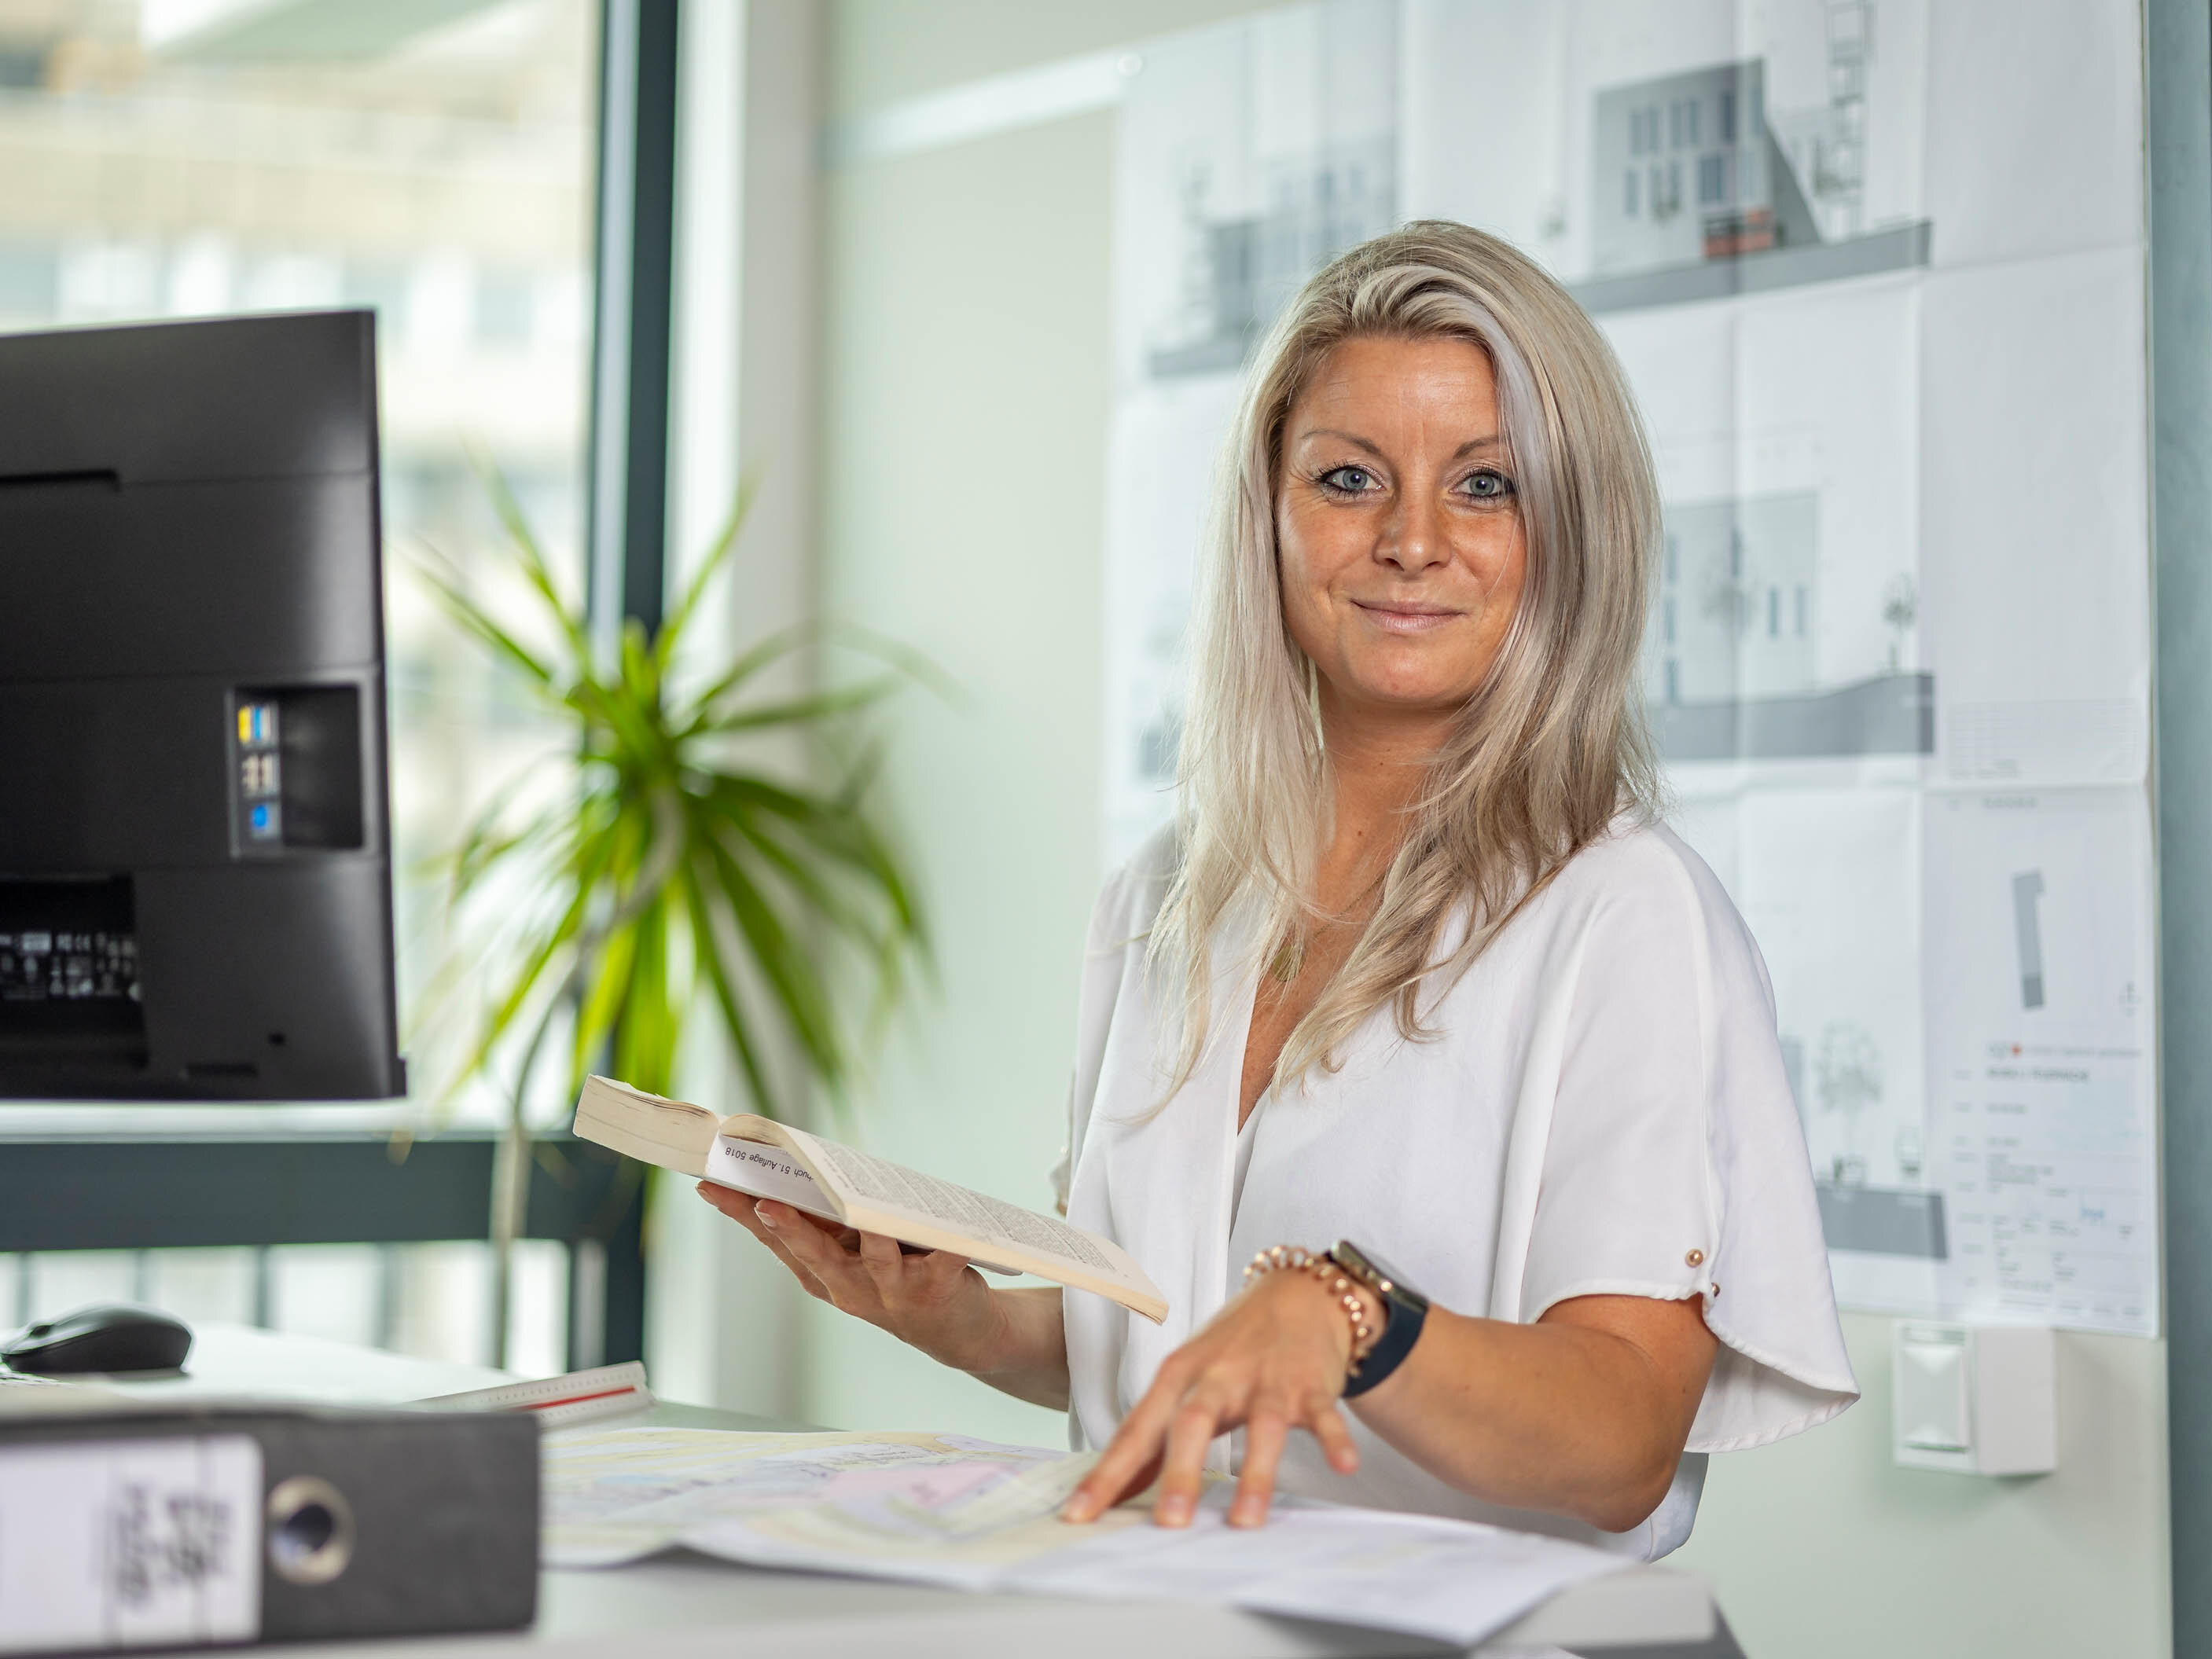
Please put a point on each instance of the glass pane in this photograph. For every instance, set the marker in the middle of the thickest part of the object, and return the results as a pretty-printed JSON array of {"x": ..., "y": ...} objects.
[
  {"x": 178, "y": 158},
  {"x": 333, "y": 1291},
  {"x": 431, "y": 1300},
  {"x": 435, "y": 163},
  {"x": 202, "y": 1285}
]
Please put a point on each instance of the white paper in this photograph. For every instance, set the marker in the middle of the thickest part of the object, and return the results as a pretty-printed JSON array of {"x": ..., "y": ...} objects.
[
  {"x": 1451, "y": 1581},
  {"x": 129, "y": 1543},
  {"x": 2039, "y": 959},
  {"x": 766, "y": 1171},
  {"x": 2035, "y": 128},
  {"x": 1843, "y": 950},
  {"x": 968, "y": 1514},
  {"x": 2037, "y": 589}
]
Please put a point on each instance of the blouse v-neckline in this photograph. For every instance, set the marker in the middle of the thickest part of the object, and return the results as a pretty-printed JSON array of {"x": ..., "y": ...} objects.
[{"x": 1248, "y": 1137}]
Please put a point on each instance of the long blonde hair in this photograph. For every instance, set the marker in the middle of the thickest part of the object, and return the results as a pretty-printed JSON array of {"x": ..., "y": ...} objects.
[{"x": 1542, "y": 758}]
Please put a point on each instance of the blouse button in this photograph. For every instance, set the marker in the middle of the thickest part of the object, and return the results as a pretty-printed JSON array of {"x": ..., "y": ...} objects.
[
  {"x": 1695, "y": 1258},
  {"x": 1717, "y": 1289}
]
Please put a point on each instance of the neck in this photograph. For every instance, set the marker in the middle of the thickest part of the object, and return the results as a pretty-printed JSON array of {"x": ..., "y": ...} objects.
[{"x": 1379, "y": 760}]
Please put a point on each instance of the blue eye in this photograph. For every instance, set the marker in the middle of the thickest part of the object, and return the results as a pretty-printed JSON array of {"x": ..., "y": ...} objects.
[
  {"x": 1487, "y": 486},
  {"x": 1348, "y": 480}
]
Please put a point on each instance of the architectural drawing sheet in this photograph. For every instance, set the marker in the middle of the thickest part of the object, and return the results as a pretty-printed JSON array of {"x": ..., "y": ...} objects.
[
  {"x": 1884, "y": 321},
  {"x": 2039, "y": 963},
  {"x": 973, "y": 1515}
]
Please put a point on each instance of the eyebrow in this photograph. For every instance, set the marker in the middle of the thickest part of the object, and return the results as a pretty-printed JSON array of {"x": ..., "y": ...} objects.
[{"x": 1488, "y": 442}]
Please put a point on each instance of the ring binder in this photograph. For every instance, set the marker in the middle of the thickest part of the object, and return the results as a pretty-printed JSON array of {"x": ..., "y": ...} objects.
[{"x": 124, "y": 1526}]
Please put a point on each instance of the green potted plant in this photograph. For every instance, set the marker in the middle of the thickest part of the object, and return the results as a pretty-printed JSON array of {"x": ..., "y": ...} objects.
[{"x": 664, "y": 868}]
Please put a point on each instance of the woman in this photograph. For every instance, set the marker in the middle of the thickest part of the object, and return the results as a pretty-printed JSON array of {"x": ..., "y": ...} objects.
[{"x": 1418, "y": 971}]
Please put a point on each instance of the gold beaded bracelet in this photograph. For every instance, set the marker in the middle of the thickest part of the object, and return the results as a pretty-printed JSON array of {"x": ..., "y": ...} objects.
[{"x": 1297, "y": 1259}]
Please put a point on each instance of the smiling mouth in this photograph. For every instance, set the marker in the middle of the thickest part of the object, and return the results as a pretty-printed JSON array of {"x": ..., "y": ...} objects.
[{"x": 1406, "y": 618}]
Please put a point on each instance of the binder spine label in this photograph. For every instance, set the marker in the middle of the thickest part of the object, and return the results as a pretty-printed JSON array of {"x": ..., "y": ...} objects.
[{"x": 129, "y": 1543}]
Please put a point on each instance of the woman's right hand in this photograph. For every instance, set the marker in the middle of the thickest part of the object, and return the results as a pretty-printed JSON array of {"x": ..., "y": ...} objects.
[{"x": 934, "y": 1301}]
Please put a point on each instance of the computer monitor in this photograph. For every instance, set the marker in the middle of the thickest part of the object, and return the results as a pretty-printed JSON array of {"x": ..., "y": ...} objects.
[{"x": 195, "y": 867}]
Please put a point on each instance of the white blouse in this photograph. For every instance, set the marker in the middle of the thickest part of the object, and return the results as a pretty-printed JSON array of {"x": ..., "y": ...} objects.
[{"x": 1601, "y": 1109}]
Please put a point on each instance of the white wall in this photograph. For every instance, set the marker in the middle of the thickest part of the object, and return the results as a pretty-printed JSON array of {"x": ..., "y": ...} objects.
[
  {"x": 1822, "y": 1547},
  {"x": 962, "y": 477},
  {"x": 963, "y": 438}
]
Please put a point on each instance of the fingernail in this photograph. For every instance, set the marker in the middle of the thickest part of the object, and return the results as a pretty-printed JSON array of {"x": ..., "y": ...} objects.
[
  {"x": 766, "y": 1219},
  {"x": 1173, "y": 1512}
]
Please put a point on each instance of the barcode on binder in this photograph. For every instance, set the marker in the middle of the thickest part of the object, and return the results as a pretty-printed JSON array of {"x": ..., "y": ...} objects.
[{"x": 129, "y": 1543}]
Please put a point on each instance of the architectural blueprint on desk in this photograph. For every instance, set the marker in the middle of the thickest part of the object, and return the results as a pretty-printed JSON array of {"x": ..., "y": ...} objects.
[
  {"x": 1882, "y": 312},
  {"x": 970, "y": 1515}
]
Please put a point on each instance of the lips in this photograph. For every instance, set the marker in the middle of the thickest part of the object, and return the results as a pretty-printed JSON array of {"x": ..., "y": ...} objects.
[{"x": 1406, "y": 618}]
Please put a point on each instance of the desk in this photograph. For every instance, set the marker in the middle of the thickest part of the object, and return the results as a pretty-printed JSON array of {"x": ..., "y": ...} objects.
[{"x": 682, "y": 1604}]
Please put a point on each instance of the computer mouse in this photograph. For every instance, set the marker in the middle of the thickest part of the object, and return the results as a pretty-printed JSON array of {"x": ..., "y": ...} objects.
[{"x": 109, "y": 1337}]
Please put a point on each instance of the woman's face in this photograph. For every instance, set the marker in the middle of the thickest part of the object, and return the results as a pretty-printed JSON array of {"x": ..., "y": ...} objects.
[{"x": 1398, "y": 526}]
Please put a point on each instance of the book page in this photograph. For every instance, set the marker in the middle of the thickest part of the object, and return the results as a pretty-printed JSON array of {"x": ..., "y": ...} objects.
[
  {"x": 766, "y": 1172},
  {"x": 977, "y": 1214}
]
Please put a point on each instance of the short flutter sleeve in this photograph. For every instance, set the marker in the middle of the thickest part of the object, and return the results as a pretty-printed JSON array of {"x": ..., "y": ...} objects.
[{"x": 1674, "y": 1163}]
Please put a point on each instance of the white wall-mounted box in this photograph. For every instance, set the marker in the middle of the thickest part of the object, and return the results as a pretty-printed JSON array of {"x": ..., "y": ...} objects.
[{"x": 1975, "y": 1399}]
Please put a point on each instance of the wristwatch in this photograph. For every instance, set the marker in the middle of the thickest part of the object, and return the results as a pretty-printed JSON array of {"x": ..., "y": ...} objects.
[{"x": 1404, "y": 1308}]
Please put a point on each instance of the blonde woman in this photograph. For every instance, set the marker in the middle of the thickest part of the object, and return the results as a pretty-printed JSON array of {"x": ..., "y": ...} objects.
[{"x": 1433, "y": 1080}]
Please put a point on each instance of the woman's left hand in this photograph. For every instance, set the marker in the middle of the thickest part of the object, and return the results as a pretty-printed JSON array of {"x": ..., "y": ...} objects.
[{"x": 1273, "y": 1360}]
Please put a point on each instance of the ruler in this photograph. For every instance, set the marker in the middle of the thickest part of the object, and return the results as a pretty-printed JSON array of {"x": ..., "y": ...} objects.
[{"x": 558, "y": 1401}]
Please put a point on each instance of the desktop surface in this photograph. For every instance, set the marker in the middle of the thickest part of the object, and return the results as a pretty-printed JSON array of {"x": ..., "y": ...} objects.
[{"x": 680, "y": 1604}]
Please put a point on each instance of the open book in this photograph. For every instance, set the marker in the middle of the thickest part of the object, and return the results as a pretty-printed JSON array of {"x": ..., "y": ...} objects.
[{"x": 768, "y": 1159}]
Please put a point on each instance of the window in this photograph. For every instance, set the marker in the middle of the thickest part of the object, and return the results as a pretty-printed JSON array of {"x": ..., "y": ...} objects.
[
  {"x": 1773, "y": 613},
  {"x": 151, "y": 167},
  {"x": 1728, "y": 116},
  {"x": 1692, "y": 113},
  {"x": 1628, "y": 192},
  {"x": 1711, "y": 180},
  {"x": 1799, "y": 627},
  {"x": 1666, "y": 621}
]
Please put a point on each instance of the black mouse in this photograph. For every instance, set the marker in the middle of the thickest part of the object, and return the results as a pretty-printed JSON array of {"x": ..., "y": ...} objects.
[{"x": 109, "y": 1337}]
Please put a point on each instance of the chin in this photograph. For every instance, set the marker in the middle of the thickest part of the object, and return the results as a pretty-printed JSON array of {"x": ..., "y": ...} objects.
[
  {"x": 1410, "y": 683},
  {"x": 1409, "y": 696}
]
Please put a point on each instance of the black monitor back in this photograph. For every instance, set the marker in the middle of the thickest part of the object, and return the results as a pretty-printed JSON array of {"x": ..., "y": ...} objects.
[{"x": 195, "y": 874}]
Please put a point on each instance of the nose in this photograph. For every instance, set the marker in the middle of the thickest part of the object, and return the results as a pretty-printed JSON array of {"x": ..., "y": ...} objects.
[{"x": 1412, "y": 538}]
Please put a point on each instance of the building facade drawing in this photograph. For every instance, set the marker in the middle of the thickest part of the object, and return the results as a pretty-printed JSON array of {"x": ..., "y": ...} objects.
[
  {"x": 1685, "y": 169},
  {"x": 1736, "y": 616}
]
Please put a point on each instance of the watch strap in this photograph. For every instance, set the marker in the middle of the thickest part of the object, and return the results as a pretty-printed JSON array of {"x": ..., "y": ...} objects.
[{"x": 1400, "y": 1331}]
